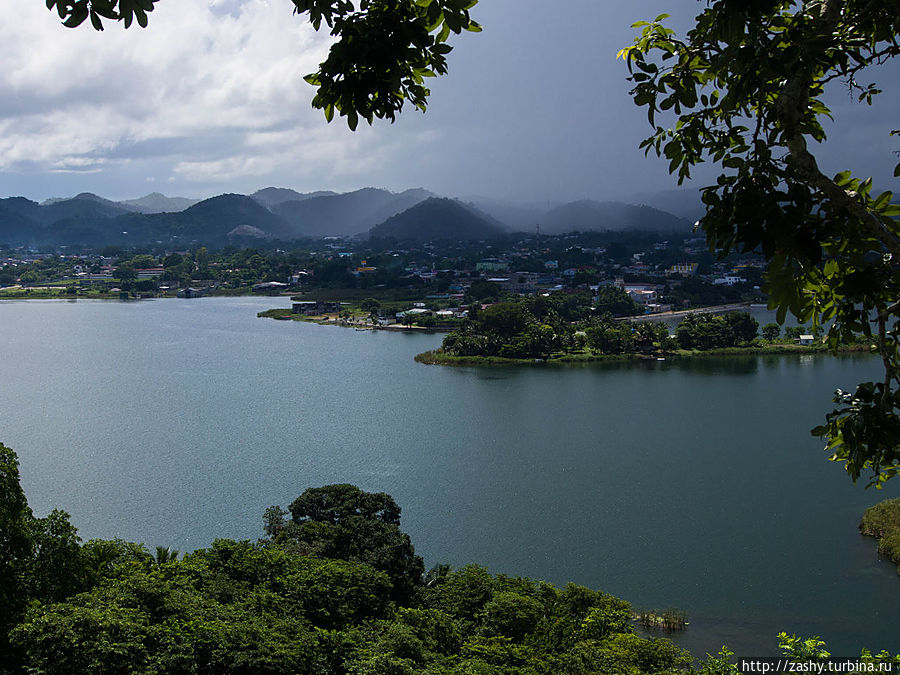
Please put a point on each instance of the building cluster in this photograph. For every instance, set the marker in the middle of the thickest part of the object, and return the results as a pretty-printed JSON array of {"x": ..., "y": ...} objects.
[
  {"x": 647, "y": 271},
  {"x": 657, "y": 273}
]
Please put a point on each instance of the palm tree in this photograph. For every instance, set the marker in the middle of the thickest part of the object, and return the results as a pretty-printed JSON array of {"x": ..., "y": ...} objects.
[{"x": 164, "y": 554}]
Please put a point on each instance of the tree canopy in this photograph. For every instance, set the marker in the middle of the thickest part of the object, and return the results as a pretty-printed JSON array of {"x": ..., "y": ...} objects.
[
  {"x": 745, "y": 88},
  {"x": 383, "y": 52},
  {"x": 343, "y": 522}
]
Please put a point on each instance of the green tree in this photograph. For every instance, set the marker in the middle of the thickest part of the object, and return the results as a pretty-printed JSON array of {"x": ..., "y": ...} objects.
[
  {"x": 511, "y": 614},
  {"x": 771, "y": 332},
  {"x": 126, "y": 273},
  {"x": 794, "y": 332},
  {"x": 342, "y": 521},
  {"x": 103, "y": 559},
  {"x": 616, "y": 301},
  {"x": 273, "y": 520},
  {"x": 706, "y": 331},
  {"x": 369, "y": 305},
  {"x": 15, "y": 548},
  {"x": 143, "y": 261},
  {"x": 465, "y": 342},
  {"x": 56, "y": 568},
  {"x": 164, "y": 555},
  {"x": 231, "y": 608},
  {"x": 336, "y": 503},
  {"x": 172, "y": 260},
  {"x": 40, "y": 558},
  {"x": 482, "y": 290},
  {"x": 504, "y": 319},
  {"x": 610, "y": 339},
  {"x": 202, "y": 257},
  {"x": 747, "y": 86},
  {"x": 743, "y": 326},
  {"x": 645, "y": 335}
]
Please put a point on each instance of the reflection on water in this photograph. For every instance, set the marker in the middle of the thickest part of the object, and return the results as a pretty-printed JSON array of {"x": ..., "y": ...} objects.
[{"x": 718, "y": 365}]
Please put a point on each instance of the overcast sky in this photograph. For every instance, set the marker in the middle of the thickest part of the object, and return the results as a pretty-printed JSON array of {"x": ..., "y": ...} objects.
[{"x": 210, "y": 99}]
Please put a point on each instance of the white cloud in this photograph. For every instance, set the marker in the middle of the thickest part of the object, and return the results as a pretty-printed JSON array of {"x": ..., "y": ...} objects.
[{"x": 205, "y": 83}]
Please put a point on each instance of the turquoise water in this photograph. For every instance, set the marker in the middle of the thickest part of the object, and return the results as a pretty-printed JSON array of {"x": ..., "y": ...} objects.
[{"x": 693, "y": 484}]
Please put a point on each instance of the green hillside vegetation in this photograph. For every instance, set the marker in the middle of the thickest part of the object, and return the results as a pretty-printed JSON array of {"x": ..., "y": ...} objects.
[
  {"x": 882, "y": 521},
  {"x": 214, "y": 218},
  {"x": 14, "y": 226},
  {"x": 82, "y": 207},
  {"x": 272, "y": 196},
  {"x": 438, "y": 218}
]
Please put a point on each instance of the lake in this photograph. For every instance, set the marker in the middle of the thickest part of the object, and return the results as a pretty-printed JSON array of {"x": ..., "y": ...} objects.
[{"x": 691, "y": 484}]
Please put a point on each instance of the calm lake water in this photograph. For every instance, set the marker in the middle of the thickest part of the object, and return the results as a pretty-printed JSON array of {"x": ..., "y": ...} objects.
[{"x": 693, "y": 485}]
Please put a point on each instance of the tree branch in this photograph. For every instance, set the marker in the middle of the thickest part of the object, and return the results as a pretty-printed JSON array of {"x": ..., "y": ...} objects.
[{"x": 792, "y": 105}]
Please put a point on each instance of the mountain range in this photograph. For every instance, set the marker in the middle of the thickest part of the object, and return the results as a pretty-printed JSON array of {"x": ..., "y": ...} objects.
[{"x": 282, "y": 214}]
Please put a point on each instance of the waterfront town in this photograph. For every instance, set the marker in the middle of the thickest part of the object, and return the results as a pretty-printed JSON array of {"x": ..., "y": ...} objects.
[{"x": 422, "y": 282}]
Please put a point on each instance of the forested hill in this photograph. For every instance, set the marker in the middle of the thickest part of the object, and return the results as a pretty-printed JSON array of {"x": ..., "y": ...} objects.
[
  {"x": 588, "y": 215},
  {"x": 156, "y": 202},
  {"x": 437, "y": 218},
  {"x": 346, "y": 214},
  {"x": 87, "y": 222}
]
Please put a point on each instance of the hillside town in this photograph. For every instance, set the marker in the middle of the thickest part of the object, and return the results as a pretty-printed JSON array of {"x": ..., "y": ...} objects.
[{"x": 658, "y": 272}]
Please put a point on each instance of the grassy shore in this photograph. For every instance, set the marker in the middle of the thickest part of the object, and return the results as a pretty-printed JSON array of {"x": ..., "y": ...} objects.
[
  {"x": 439, "y": 357},
  {"x": 882, "y": 521}
]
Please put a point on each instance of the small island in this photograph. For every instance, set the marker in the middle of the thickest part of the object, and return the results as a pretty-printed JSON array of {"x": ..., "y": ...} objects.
[
  {"x": 566, "y": 327},
  {"x": 573, "y": 327}
]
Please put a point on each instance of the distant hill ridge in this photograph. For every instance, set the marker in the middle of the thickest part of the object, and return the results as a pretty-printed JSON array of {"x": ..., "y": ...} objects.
[
  {"x": 156, "y": 202},
  {"x": 348, "y": 214},
  {"x": 272, "y": 196},
  {"x": 587, "y": 214},
  {"x": 284, "y": 214}
]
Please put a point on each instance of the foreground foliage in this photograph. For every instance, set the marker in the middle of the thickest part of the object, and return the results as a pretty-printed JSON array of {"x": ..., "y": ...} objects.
[
  {"x": 747, "y": 86},
  {"x": 337, "y": 589}
]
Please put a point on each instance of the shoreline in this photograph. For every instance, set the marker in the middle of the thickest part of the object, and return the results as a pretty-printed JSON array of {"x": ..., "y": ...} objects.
[
  {"x": 49, "y": 293},
  {"x": 334, "y": 320},
  {"x": 439, "y": 358}
]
